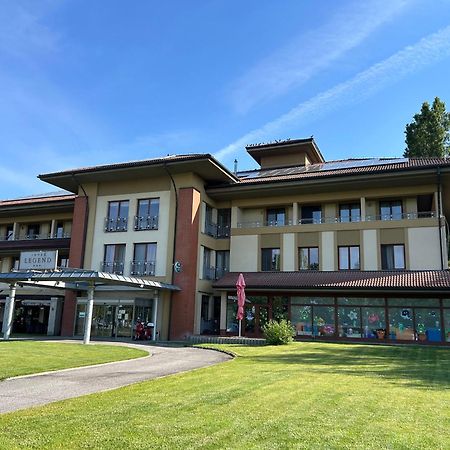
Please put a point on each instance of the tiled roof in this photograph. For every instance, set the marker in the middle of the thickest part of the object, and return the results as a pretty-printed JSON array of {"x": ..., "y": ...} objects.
[
  {"x": 311, "y": 279},
  {"x": 142, "y": 162},
  {"x": 338, "y": 168},
  {"x": 40, "y": 198}
]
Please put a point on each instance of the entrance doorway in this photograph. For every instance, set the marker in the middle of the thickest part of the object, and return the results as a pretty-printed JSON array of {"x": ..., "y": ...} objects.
[
  {"x": 260, "y": 310},
  {"x": 31, "y": 318}
]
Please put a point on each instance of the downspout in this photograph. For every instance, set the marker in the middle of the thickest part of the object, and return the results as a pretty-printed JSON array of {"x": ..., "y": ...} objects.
[
  {"x": 439, "y": 216},
  {"x": 174, "y": 245},
  {"x": 85, "y": 222}
]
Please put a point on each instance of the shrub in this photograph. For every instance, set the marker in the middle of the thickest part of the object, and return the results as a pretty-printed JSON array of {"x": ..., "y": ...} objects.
[{"x": 278, "y": 333}]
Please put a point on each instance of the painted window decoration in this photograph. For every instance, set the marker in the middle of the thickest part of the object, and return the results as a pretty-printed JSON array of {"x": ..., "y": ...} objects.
[
  {"x": 349, "y": 258},
  {"x": 392, "y": 256},
  {"x": 308, "y": 258},
  {"x": 323, "y": 321},
  {"x": 117, "y": 219},
  {"x": 270, "y": 259},
  {"x": 350, "y": 212},
  {"x": 447, "y": 324},
  {"x": 147, "y": 217}
]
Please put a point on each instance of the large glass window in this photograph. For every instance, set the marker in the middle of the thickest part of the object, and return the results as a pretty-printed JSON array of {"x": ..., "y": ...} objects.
[
  {"x": 428, "y": 324},
  {"x": 270, "y": 259},
  {"x": 311, "y": 214},
  {"x": 349, "y": 322},
  {"x": 117, "y": 219},
  {"x": 301, "y": 319},
  {"x": 147, "y": 217},
  {"x": 313, "y": 300},
  {"x": 391, "y": 210},
  {"x": 222, "y": 263},
  {"x": 373, "y": 322},
  {"x": 401, "y": 325},
  {"x": 232, "y": 322},
  {"x": 114, "y": 258},
  {"x": 144, "y": 261},
  {"x": 349, "y": 258},
  {"x": 276, "y": 217},
  {"x": 350, "y": 212},
  {"x": 360, "y": 301},
  {"x": 323, "y": 321},
  {"x": 447, "y": 324},
  {"x": 308, "y": 258},
  {"x": 223, "y": 222},
  {"x": 392, "y": 257},
  {"x": 208, "y": 270}
]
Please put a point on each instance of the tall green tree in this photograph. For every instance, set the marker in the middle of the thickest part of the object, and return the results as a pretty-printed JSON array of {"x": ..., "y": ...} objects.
[{"x": 429, "y": 132}]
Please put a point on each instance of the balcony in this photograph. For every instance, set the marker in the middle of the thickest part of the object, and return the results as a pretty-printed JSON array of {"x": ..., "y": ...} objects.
[
  {"x": 146, "y": 223},
  {"x": 112, "y": 267},
  {"x": 116, "y": 224},
  {"x": 209, "y": 273},
  {"x": 220, "y": 272},
  {"x": 143, "y": 268},
  {"x": 342, "y": 219}
]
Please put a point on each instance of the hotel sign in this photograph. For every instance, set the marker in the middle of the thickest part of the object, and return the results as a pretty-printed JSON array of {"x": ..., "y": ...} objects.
[{"x": 38, "y": 260}]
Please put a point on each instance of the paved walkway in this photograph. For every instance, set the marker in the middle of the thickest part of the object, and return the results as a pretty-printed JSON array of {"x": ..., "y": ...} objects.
[{"x": 33, "y": 390}]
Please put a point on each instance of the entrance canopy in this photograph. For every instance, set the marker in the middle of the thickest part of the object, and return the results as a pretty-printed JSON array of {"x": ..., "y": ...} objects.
[
  {"x": 79, "y": 279},
  {"x": 73, "y": 279}
]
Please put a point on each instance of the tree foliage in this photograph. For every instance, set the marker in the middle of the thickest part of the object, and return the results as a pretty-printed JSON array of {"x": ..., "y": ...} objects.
[{"x": 429, "y": 132}]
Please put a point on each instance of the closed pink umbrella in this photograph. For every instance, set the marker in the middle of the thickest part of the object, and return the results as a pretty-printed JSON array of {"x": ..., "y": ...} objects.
[{"x": 240, "y": 286}]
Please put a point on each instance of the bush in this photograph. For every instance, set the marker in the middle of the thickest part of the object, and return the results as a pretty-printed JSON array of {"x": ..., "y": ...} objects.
[{"x": 278, "y": 333}]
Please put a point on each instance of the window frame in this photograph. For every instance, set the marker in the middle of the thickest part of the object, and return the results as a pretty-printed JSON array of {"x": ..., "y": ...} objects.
[
  {"x": 275, "y": 262},
  {"x": 349, "y": 256},
  {"x": 309, "y": 258},
  {"x": 384, "y": 247},
  {"x": 112, "y": 223},
  {"x": 276, "y": 212},
  {"x": 349, "y": 206},
  {"x": 142, "y": 222}
]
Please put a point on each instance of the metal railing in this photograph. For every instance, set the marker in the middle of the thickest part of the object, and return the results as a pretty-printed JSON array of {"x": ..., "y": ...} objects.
[
  {"x": 341, "y": 219},
  {"x": 220, "y": 272},
  {"x": 116, "y": 224},
  {"x": 217, "y": 231},
  {"x": 209, "y": 273},
  {"x": 112, "y": 267},
  {"x": 146, "y": 223},
  {"x": 33, "y": 236},
  {"x": 143, "y": 268}
]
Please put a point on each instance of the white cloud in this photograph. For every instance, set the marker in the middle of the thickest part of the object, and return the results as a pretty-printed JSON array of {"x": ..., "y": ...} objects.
[
  {"x": 428, "y": 50},
  {"x": 311, "y": 53}
]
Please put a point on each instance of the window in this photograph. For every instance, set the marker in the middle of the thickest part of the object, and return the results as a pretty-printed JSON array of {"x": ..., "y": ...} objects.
[
  {"x": 308, "y": 258},
  {"x": 270, "y": 259},
  {"x": 63, "y": 261},
  {"x": 276, "y": 217},
  {"x": 117, "y": 219},
  {"x": 114, "y": 258},
  {"x": 210, "y": 226},
  {"x": 208, "y": 270},
  {"x": 391, "y": 210},
  {"x": 33, "y": 231},
  {"x": 311, "y": 214},
  {"x": 222, "y": 263},
  {"x": 59, "y": 230},
  {"x": 349, "y": 212},
  {"x": 223, "y": 222},
  {"x": 349, "y": 258},
  {"x": 10, "y": 232},
  {"x": 144, "y": 260},
  {"x": 147, "y": 217},
  {"x": 392, "y": 257}
]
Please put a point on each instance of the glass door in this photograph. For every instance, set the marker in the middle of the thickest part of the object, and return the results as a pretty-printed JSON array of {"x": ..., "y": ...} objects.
[{"x": 124, "y": 323}]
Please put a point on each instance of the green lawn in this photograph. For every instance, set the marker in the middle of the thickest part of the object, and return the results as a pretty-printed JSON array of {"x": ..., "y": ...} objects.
[
  {"x": 26, "y": 357},
  {"x": 305, "y": 395}
]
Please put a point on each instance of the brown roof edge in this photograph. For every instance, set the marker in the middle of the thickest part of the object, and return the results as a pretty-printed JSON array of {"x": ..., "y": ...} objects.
[{"x": 34, "y": 200}]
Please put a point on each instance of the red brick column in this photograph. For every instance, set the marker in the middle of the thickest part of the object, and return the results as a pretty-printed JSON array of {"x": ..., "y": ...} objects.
[
  {"x": 186, "y": 251},
  {"x": 76, "y": 257}
]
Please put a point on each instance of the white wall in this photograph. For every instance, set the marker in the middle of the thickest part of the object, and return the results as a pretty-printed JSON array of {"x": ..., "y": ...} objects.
[
  {"x": 288, "y": 252},
  {"x": 244, "y": 253},
  {"x": 370, "y": 250},
  {"x": 424, "y": 250},
  {"x": 327, "y": 250},
  {"x": 130, "y": 237}
]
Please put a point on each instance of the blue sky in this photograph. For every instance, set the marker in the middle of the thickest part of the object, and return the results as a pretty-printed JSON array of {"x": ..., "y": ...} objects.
[{"x": 85, "y": 82}]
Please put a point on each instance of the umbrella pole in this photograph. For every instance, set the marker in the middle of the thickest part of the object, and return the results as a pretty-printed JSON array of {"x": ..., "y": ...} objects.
[{"x": 240, "y": 324}]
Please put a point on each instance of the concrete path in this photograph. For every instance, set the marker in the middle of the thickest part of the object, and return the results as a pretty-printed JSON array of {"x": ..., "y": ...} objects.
[{"x": 33, "y": 390}]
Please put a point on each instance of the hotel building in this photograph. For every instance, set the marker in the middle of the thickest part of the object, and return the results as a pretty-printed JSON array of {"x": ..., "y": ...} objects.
[{"x": 354, "y": 249}]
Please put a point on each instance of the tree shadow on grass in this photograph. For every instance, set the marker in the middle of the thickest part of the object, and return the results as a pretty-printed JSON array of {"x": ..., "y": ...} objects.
[{"x": 417, "y": 366}]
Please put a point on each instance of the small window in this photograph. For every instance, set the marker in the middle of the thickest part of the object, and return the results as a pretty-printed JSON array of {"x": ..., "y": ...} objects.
[
  {"x": 270, "y": 259},
  {"x": 349, "y": 212},
  {"x": 117, "y": 219},
  {"x": 393, "y": 257},
  {"x": 276, "y": 217},
  {"x": 349, "y": 258},
  {"x": 147, "y": 217},
  {"x": 308, "y": 258}
]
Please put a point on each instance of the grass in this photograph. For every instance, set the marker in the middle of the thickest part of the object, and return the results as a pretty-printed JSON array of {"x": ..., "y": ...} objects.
[
  {"x": 27, "y": 357},
  {"x": 305, "y": 395}
]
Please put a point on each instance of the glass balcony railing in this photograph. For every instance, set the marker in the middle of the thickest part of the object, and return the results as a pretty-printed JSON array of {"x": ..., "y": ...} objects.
[
  {"x": 33, "y": 236},
  {"x": 143, "y": 268},
  {"x": 146, "y": 223},
  {"x": 339, "y": 219},
  {"x": 217, "y": 231},
  {"x": 112, "y": 267},
  {"x": 116, "y": 224}
]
